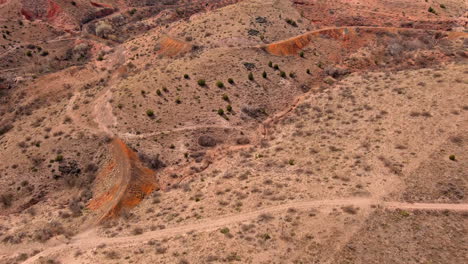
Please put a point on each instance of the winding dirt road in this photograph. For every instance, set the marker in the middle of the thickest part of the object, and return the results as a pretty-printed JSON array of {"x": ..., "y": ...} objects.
[{"x": 89, "y": 239}]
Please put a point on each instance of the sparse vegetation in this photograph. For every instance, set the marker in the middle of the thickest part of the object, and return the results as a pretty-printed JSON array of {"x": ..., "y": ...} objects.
[
  {"x": 220, "y": 84},
  {"x": 201, "y": 82}
]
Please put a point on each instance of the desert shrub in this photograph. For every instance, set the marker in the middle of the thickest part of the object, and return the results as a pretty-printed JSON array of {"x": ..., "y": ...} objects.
[
  {"x": 5, "y": 127},
  {"x": 308, "y": 71},
  {"x": 452, "y": 157},
  {"x": 220, "y": 84},
  {"x": 201, "y": 82},
  {"x": 432, "y": 10},
  {"x": 443, "y": 6},
  {"x": 186, "y": 76},
  {"x": 103, "y": 29},
  {"x": 229, "y": 108},
  {"x": 292, "y": 75},
  {"x": 225, "y": 97},
  {"x": 224, "y": 230},
  {"x": 6, "y": 199},
  {"x": 291, "y": 22},
  {"x": 231, "y": 81},
  {"x": 50, "y": 230},
  {"x": 264, "y": 75},
  {"x": 220, "y": 112},
  {"x": 158, "y": 92},
  {"x": 178, "y": 101},
  {"x": 283, "y": 74},
  {"x": 270, "y": 64},
  {"x": 276, "y": 67},
  {"x": 137, "y": 231},
  {"x": 251, "y": 77},
  {"x": 207, "y": 141},
  {"x": 301, "y": 54},
  {"x": 44, "y": 53},
  {"x": 150, "y": 113},
  {"x": 29, "y": 53}
]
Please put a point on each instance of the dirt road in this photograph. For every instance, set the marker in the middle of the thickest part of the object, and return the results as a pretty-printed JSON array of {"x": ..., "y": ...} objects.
[{"x": 89, "y": 239}]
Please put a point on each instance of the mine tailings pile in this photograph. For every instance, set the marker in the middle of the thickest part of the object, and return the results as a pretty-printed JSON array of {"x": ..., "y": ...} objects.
[{"x": 122, "y": 183}]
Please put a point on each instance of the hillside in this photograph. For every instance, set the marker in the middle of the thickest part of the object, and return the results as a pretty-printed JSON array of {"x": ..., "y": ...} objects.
[{"x": 255, "y": 131}]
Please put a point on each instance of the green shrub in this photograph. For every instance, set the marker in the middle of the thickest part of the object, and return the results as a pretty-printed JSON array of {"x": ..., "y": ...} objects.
[
  {"x": 292, "y": 75},
  {"x": 201, "y": 82},
  {"x": 225, "y": 97},
  {"x": 165, "y": 89},
  {"x": 59, "y": 158},
  {"x": 224, "y": 230},
  {"x": 220, "y": 84},
  {"x": 150, "y": 113},
  {"x": 452, "y": 157},
  {"x": 178, "y": 101},
  {"x": 308, "y": 71},
  {"x": 270, "y": 64},
  {"x": 29, "y": 53},
  {"x": 186, "y": 76},
  {"x": 432, "y": 10},
  {"x": 265, "y": 75},
  {"x": 291, "y": 162},
  {"x": 283, "y": 74},
  {"x": 291, "y": 22},
  {"x": 220, "y": 112},
  {"x": 231, "y": 81},
  {"x": 443, "y": 6},
  {"x": 301, "y": 54},
  {"x": 276, "y": 67},
  {"x": 229, "y": 108},
  {"x": 251, "y": 77},
  {"x": 158, "y": 92}
]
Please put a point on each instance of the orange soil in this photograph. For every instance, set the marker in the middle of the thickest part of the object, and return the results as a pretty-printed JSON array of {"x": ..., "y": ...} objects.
[
  {"x": 96, "y": 4},
  {"x": 173, "y": 47},
  {"x": 134, "y": 182},
  {"x": 351, "y": 37}
]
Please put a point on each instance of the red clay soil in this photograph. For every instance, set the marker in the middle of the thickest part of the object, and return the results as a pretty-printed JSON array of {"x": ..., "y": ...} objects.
[
  {"x": 32, "y": 10},
  {"x": 172, "y": 47},
  {"x": 351, "y": 37},
  {"x": 133, "y": 182},
  {"x": 53, "y": 11}
]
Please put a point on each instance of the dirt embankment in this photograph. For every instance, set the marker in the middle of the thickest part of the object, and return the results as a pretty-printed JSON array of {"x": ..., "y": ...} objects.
[
  {"x": 351, "y": 37},
  {"x": 172, "y": 47},
  {"x": 122, "y": 183}
]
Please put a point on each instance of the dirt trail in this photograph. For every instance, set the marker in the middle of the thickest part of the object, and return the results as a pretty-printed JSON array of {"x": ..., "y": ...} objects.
[
  {"x": 179, "y": 129},
  {"x": 89, "y": 239}
]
